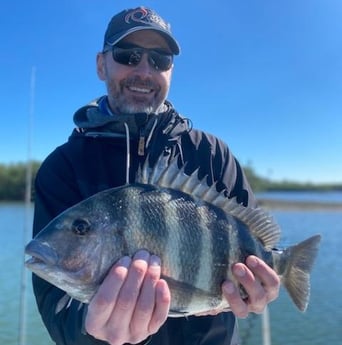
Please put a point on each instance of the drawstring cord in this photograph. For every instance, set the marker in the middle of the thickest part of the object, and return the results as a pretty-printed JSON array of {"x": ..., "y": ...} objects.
[
  {"x": 146, "y": 134},
  {"x": 151, "y": 132},
  {"x": 128, "y": 159}
]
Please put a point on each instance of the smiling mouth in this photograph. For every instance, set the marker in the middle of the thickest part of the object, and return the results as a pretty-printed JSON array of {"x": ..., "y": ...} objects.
[{"x": 142, "y": 90}]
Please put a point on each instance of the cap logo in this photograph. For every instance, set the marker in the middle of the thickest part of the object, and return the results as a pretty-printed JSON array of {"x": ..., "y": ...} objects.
[{"x": 145, "y": 16}]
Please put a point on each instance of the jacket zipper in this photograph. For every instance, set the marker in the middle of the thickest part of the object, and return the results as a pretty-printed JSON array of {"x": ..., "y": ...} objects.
[{"x": 141, "y": 143}]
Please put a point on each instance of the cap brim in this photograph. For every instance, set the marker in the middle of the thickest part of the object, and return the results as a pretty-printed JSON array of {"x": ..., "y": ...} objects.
[{"x": 173, "y": 44}]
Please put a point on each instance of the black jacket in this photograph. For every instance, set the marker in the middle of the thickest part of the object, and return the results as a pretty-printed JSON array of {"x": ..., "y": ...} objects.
[{"x": 94, "y": 159}]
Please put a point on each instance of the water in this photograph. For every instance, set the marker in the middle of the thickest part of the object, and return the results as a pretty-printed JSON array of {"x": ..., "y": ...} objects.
[
  {"x": 309, "y": 196},
  {"x": 321, "y": 324},
  {"x": 12, "y": 225}
]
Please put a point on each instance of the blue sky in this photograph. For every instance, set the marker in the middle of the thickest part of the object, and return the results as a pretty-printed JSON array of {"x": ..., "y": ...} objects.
[{"x": 263, "y": 75}]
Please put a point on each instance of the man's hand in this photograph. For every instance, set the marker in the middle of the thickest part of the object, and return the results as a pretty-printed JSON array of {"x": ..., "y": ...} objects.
[
  {"x": 132, "y": 302},
  {"x": 260, "y": 282}
]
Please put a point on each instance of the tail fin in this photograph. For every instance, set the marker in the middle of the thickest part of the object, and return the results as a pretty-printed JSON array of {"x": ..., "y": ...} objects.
[{"x": 296, "y": 278}]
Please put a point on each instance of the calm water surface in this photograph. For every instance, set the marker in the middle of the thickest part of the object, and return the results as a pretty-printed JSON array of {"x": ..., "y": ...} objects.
[
  {"x": 12, "y": 225},
  {"x": 329, "y": 196},
  {"x": 321, "y": 324}
]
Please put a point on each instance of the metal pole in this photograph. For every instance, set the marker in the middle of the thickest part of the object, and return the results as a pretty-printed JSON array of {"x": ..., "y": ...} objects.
[
  {"x": 27, "y": 224},
  {"x": 266, "y": 328}
]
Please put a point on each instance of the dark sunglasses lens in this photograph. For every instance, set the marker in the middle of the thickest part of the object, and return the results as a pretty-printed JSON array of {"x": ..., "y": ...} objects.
[
  {"x": 162, "y": 62},
  {"x": 132, "y": 56},
  {"x": 126, "y": 56}
]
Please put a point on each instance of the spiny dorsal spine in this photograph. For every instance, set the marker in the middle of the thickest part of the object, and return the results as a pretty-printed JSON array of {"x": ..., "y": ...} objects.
[{"x": 167, "y": 174}]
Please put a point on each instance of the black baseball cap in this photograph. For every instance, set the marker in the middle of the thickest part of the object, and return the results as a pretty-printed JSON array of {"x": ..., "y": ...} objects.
[{"x": 136, "y": 19}]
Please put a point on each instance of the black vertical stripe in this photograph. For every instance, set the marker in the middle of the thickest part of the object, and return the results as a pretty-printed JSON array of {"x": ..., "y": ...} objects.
[{"x": 221, "y": 231}]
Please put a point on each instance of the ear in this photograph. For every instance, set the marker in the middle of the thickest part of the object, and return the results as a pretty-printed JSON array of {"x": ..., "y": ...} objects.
[{"x": 100, "y": 66}]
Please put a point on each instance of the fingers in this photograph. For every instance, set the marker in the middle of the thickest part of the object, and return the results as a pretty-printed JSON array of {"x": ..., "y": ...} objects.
[
  {"x": 131, "y": 303},
  {"x": 102, "y": 304},
  {"x": 129, "y": 293},
  {"x": 151, "y": 308},
  {"x": 259, "y": 281},
  {"x": 266, "y": 276},
  {"x": 162, "y": 306}
]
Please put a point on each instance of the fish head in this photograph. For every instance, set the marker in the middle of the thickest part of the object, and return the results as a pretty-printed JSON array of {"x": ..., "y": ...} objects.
[{"x": 77, "y": 248}]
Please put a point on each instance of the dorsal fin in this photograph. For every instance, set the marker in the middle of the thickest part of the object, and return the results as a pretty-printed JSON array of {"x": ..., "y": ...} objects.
[{"x": 169, "y": 175}]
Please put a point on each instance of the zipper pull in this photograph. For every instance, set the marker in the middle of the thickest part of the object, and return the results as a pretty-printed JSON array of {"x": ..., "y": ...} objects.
[{"x": 141, "y": 145}]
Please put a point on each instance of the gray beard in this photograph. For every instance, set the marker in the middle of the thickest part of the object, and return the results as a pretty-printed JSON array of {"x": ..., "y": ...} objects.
[
  {"x": 135, "y": 108},
  {"x": 123, "y": 106}
]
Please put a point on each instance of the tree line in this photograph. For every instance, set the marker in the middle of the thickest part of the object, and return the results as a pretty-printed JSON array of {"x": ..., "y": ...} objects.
[
  {"x": 262, "y": 184},
  {"x": 13, "y": 182}
]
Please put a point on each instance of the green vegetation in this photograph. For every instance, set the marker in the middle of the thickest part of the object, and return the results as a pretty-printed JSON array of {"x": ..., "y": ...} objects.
[
  {"x": 13, "y": 180},
  {"x": 261, "y": 184}
]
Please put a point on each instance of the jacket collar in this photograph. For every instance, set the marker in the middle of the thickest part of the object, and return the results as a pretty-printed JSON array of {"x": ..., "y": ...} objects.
[{"x": 96, "y": 117}]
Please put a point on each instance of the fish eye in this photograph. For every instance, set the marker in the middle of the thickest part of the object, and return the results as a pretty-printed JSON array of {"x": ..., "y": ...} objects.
[{"x": 80, "y": 226}]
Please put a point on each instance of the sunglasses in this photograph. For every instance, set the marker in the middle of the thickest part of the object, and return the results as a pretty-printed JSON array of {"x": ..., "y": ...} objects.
[{"x": 131, "y": 55}]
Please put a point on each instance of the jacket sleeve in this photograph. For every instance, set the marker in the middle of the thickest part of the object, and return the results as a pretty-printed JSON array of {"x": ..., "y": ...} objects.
[
  {"x": 55, "y": 191},
  {"x": 231, "y": 176},
  {"x": 234, "y": 179}
]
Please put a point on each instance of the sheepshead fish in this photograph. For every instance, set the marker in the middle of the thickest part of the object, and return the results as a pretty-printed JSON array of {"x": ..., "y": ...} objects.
[{"x": 196, "y": 231}]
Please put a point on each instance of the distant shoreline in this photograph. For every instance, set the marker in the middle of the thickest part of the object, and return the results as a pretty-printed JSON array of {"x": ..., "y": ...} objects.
[{"x": 273, "y": 204}]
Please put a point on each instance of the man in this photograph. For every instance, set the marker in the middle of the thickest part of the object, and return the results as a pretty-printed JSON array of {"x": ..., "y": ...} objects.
[{"x": 113, "y": 137}]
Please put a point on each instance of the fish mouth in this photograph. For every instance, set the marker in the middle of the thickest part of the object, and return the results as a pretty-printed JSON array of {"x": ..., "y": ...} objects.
[{"x": 42, "y": 255}]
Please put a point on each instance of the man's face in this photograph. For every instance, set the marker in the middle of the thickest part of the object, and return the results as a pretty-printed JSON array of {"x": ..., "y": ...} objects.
[{"x": 135, "y": 88}]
